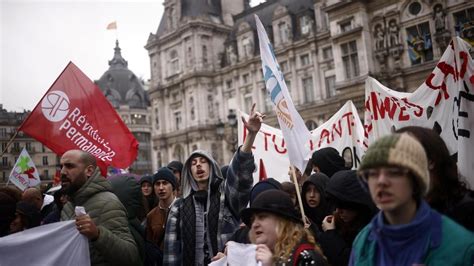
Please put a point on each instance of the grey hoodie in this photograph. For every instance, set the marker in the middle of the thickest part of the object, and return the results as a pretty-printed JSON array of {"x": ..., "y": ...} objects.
[{"x": 234, "y": 191}]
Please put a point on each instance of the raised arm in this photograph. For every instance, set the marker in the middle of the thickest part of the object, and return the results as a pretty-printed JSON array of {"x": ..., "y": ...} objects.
[
  {"x": 253, "y": 126},
  {"x": 240, "y": 173}
]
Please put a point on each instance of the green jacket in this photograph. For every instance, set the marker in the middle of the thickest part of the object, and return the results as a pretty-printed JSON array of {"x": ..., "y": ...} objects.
[
  {"x": 115, "y": 245},
  {"x": 456, "y": 247}
]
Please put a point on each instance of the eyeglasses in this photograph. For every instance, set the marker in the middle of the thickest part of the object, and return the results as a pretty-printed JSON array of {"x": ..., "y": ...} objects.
[{"x": 389, "y": 172}]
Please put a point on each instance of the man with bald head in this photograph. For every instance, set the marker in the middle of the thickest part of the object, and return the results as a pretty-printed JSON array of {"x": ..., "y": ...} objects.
[{"x": 105, "y": 224}]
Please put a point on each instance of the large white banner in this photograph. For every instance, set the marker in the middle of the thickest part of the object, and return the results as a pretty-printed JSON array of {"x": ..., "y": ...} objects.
[
  {"x": 24, "y": 173},
  {"x": 444, "y": 102},
  {"x": 293, "y": 128},
  {"x": 51, "y": 244},
  {"x": 343, "y": 131}
]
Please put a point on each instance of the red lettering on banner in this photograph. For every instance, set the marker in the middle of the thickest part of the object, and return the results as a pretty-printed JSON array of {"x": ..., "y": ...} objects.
[
  {"x": 349, "y": 123},
  {"x": 265, "y": 134},
  {"x": 447, "y": 70},
  {"x": 420, "y": 109},
  {"x": 464, "y": 57},
  {"x": 276, "y": 146},
  {"x": 390, "y": 105},
  {"x": 324, "y": 134},
  {"x": 336, "y": 128}
]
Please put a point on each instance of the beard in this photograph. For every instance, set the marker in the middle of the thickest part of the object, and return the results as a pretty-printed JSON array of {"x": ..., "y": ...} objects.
[{"x": 69, "y": 186}]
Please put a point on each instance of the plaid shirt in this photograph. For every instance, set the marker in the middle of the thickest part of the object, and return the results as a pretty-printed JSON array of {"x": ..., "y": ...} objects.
[{"x": 234, "y": 197}]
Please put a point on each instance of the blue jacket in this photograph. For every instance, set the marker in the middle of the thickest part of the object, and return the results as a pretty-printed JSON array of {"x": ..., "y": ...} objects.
[{"x": 448, "y": 244}]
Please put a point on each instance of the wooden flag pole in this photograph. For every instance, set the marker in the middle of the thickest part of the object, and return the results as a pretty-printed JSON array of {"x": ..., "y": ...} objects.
[
  {"x": 6, "y": 148},
  {"x": 298, "y": 195},
  {"x": 9, "y": 143}
]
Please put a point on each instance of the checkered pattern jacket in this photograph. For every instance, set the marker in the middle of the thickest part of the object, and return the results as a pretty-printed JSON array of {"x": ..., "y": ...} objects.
[{"x": 234, "y": 196}]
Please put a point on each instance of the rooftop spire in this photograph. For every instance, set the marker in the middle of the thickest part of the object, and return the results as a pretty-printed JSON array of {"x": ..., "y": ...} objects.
[{"x": 117, "y": 61}]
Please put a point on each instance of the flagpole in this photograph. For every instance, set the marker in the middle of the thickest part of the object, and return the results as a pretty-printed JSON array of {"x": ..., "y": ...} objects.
[
  {"x": 298, "y": 195},
  {"x": 9, "y": 143},
  {"x": 6, "y": 148}
]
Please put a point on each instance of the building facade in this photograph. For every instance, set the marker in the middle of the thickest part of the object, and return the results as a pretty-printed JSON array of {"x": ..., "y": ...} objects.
[
  {"x": 45, "y": 160},
  {"x": 205, "y": 60},
  {"x": 125, "y": 92}
]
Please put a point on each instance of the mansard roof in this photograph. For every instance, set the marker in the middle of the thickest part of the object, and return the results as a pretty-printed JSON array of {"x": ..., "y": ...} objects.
[
  {"x": 265, "y": 12},
  {"x": 121, "y": 86},
  {"x": 193, "y": 9}
]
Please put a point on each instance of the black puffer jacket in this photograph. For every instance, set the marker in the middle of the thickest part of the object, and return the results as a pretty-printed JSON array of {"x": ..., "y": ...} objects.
[{"x": 129, "y": 192}]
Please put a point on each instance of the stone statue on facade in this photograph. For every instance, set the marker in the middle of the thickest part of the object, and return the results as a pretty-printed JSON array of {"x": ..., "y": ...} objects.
[
  {"x": 231, "y": 55},
  {"x": 172, "y": 18},
  {"x": 287, "y": 32},
  {"x": 379, "y": 35},
  {"x": 393, "y": 33},
  {"x": 439, "y": 17},
  {"x": 248, "y": 47}
]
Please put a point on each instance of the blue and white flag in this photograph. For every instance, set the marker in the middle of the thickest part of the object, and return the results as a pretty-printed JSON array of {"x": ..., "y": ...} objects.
[{"x": 295, "y": 133}]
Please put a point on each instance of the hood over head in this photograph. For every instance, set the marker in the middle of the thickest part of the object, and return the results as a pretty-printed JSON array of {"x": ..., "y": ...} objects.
[
  {"x": 188, "y": 184},
  {"x": 328, "y": 160},
  {"x": 129, "y": 192},
  {"x": 317, "y": 214},
  {"x": 345, "y": 189}
]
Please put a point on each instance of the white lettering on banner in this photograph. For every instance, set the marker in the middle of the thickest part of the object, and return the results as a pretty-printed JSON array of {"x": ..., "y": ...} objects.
[{"x": 85, "y": 137}]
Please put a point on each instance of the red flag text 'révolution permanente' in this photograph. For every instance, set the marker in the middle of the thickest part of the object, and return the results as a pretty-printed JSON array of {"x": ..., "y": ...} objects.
[{"x": 74, "y": 114}]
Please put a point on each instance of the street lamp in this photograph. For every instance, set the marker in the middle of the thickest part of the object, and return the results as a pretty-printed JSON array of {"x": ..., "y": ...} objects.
[{"x": 220, "y": 130}]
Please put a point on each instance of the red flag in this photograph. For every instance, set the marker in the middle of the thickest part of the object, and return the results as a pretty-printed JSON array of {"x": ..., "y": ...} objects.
[
  {"x": 262, "y": 174},
  {"x": 57, "y": 178},
  {"x": 74, "y": 114}
]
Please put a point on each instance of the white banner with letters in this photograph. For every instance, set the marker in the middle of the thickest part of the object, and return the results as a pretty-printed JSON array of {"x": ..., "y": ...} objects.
[
  {"x": 444, "y": 102},
  {"x": 343, "y": 131}
]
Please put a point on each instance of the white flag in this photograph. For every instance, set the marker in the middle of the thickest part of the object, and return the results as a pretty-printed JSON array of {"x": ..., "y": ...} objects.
[
  {"x": 444, "y": 103},
  {"x": 50, "y": 244},
  {"x": 465, "y": 109},
  {"x": 294, "y": 131},
  {"x": 24, "y": 173}
]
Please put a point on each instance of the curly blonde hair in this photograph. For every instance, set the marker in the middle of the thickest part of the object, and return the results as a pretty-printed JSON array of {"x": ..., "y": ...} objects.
[{"x": 289, "y": 235}]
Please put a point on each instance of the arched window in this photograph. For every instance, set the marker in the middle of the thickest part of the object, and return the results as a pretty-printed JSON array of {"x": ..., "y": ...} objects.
[{"x": 178, "y": 153}]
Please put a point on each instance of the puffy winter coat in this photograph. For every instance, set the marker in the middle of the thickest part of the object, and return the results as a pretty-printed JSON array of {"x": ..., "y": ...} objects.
[{"x": 115, "y": 244}]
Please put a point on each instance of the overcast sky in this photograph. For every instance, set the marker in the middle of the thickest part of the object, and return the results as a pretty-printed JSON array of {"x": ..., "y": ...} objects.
[{"x": 38, "y": 38}]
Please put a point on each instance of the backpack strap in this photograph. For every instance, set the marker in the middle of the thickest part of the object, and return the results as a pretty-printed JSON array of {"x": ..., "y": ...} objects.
[{"x": 301, "y": 248}]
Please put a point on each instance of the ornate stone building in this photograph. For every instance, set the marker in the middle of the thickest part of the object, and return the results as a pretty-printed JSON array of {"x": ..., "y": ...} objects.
[
  {"x": 125, "y": 92},
  {"x": 205, "y": 60},
  {"x": 44, "y": 159}
]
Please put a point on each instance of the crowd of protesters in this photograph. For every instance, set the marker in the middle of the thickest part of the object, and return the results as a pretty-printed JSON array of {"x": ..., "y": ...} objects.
[{"x": 405, "y": 205}]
